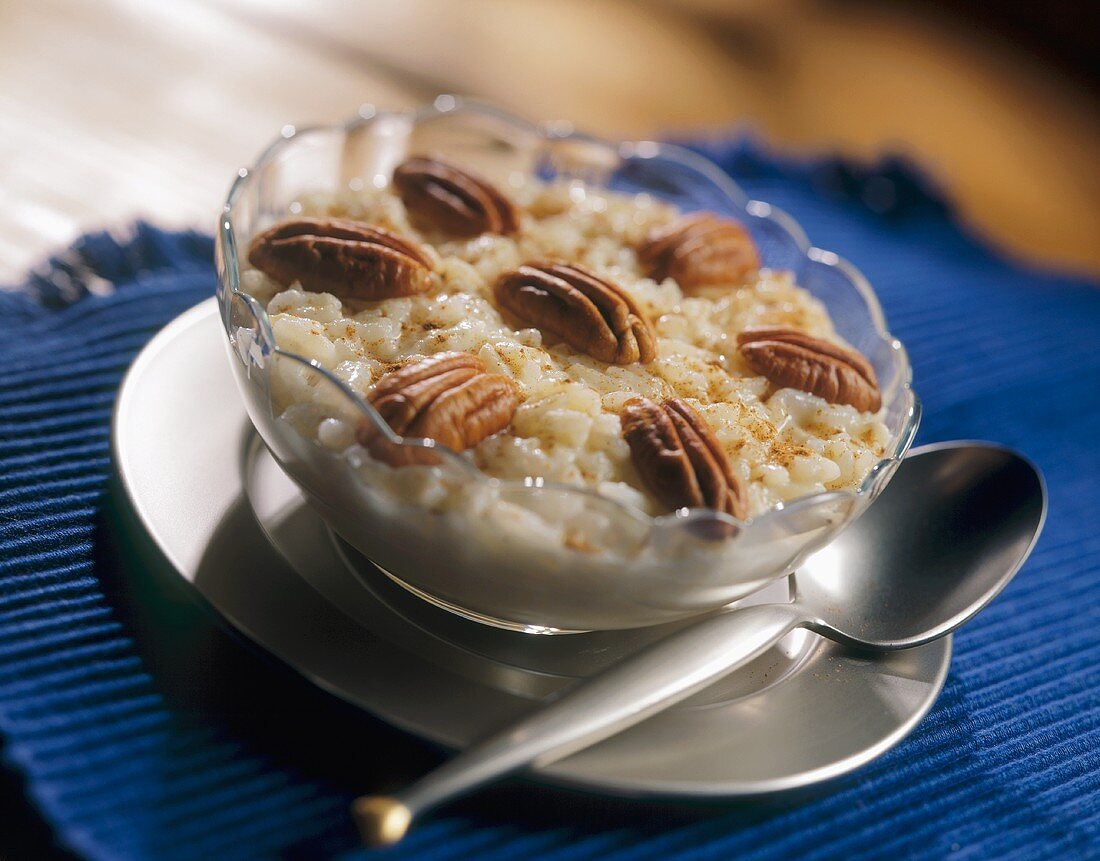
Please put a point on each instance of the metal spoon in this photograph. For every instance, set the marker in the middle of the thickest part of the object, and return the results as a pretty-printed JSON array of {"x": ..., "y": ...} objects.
[{"x": 947, "y": 534}]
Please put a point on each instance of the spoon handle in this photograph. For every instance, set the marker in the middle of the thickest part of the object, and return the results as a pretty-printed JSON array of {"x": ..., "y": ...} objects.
[{"x": 630, "y": 691}]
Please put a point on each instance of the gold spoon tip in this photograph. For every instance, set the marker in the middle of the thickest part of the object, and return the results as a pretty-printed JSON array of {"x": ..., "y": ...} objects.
[{"x": 382, "y": 820}]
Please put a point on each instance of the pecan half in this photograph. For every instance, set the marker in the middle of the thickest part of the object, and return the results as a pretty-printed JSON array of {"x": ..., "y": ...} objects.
[
  {"x": 588, "y": 312},
  {"x": 793, "y": 359},
  {"x": 700, "y": 250},
  {"x": 679, "y": 458},
  {"x": 452, "y": 199},
  {"x": 447, "y": 398},
  {"x": 349, "y": 259}
]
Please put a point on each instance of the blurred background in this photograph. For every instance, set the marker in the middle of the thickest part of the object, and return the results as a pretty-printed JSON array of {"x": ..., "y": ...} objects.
[{"x": 115, "y": 109}]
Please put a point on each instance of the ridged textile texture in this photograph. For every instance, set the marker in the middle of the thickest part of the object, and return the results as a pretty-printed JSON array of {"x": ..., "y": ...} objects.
[{"x": 144, "y": 730}]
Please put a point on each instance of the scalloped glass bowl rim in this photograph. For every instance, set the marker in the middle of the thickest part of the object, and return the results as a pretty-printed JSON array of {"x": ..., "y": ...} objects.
[{"x": 634, "y": 149}]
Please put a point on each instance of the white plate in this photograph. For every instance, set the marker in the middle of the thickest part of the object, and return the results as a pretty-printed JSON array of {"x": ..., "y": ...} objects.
[{"x": 199, "y": 483}]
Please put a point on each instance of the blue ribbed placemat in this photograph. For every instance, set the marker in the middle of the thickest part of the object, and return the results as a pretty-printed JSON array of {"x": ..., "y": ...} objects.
[{"x": 144, "y": 731}]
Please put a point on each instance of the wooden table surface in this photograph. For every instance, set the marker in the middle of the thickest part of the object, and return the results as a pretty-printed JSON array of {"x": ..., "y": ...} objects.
[{"x": 139, "y": 108}]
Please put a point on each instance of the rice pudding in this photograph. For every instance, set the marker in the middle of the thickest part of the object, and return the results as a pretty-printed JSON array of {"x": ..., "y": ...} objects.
[{"x": 614, "y": 344}]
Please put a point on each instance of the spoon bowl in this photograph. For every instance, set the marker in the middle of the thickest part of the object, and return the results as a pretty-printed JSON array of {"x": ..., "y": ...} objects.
[{"x": 930, "y": 553}]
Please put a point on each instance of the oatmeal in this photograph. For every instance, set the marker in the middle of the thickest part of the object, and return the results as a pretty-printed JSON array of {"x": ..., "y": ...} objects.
[{"x": 583, "y": 311}]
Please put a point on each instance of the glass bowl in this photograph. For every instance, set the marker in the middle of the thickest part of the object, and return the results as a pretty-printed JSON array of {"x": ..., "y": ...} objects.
[{"x": 489, "y": 559}]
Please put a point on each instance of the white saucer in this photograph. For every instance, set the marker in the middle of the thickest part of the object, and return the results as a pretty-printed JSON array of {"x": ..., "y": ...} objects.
[{"x": 230, "y": 524}]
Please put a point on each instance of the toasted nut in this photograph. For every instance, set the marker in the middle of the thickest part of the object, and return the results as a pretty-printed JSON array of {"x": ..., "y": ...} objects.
[
  {"x": 447, "y": 398},
  {"x": 452, "y": 199},
  {"x": 700, "y": 250},
  {"x": 679, "y": 458},
  {"x": 349, "y": 259},
  {"x": 793, "y": 359},
  {"x": 590, "y": 313}
]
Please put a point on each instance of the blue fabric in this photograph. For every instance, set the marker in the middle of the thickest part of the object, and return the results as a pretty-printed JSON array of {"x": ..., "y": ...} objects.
[{"x": 145, "y": 731}]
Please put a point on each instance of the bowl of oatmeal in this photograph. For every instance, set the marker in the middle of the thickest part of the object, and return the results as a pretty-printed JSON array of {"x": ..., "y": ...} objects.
[{"x": 550, "y": 382}]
